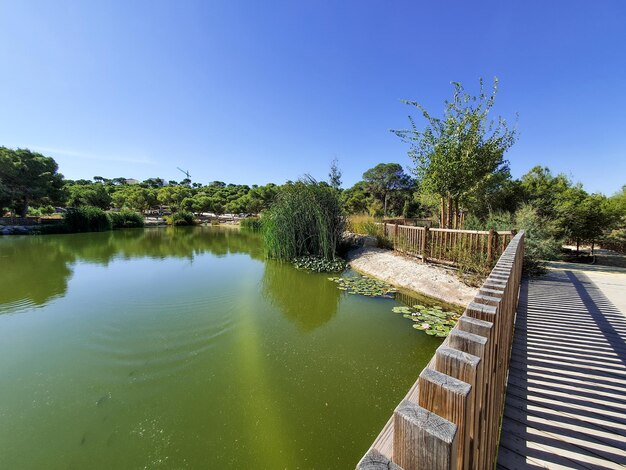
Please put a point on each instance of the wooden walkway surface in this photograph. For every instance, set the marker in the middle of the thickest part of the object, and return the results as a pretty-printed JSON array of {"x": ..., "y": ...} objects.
[{"x": 566, "y": 396}]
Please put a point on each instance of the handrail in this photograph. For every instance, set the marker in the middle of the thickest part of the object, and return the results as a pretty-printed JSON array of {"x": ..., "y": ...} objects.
[{"x": 450, "y": 419}]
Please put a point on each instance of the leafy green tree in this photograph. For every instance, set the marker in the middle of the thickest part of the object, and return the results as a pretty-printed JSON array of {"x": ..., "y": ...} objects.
[
  {"x": 386, "y": 179},
  {"x": 172, "y": 196},
  {"x": 544, "y": 190},
  {"x": 356, "y": 199},
  {"x": 154, "y": 183},
  {"x": 94, "y": 195},
  {"x": 28, "y": 178},
  {"x": 588, "y": 220},
  {"x": 456, "y": 152}
]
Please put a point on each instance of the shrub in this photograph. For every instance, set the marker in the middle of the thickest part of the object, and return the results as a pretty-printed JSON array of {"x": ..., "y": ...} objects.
[
  {"x": 305, "y": 219},
  {"x": 87, "y": 219},
  {"x": 540, "y": 243},
  {"x": 181, "y": 218},
  {"x": 126, "y": 219},
  {"x": 252, "y": 224},
  {"x": 39, "y": 211}
]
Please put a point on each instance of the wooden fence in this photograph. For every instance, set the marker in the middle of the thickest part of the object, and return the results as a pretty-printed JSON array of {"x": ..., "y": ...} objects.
[
  {"x": 447, "y": 246},
  {"x": 450, "y": 419}
]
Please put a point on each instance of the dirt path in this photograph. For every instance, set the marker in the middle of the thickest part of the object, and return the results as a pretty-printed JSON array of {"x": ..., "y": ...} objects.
[{"x": 412, "y": 274}]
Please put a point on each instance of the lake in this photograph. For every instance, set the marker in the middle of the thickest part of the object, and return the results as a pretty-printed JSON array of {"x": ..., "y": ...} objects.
[{"x": 185, "y": 348}]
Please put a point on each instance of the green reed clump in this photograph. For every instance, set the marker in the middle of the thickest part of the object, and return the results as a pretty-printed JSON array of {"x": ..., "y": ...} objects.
[
  {"x": 126, "y": 219},
  {"x": 87, "y": 219},
  {"x": 305, "y": 219},
  {"x": 252, "y": 224}
]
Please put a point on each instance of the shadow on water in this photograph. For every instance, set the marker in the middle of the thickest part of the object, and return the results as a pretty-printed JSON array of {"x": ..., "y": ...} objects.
[
  {"x": 36, "y": 269},
  {"x": 308, "y": 300}
]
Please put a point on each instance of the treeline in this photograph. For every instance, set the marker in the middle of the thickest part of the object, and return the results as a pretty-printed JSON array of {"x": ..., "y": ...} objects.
[
  {"x": 31, "y": 185},
  {"x": 561, "y": 207}
]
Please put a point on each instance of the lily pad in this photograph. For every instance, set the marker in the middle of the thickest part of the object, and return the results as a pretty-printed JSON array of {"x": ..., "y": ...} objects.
[
  {"x": 369, "y": 287},
  {"x": 434, "y": 321}
]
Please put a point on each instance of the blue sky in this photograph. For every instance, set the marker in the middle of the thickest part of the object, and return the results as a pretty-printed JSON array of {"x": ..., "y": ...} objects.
[{"x": 257, "y": 92}]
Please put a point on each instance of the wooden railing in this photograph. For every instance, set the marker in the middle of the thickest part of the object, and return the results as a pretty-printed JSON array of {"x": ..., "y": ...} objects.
[
  {"x": 447, "y": 246},
  {"x": 450, "y": 419}
]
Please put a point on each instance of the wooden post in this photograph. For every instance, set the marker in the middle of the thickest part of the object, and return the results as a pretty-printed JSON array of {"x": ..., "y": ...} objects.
[
  {"x": 425, "y": 244},
  {"x": 490, "y": 248},
  {"x": 450, "y": 398},
  {"x": 422, "y": 440},
  {"x": 395, "y": 237},
  {"x": 384, "y": 229},
  {"x": 465, "y": 367}
]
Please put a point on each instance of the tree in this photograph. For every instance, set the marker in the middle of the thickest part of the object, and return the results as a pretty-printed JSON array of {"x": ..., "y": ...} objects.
[
  {"x": 28, "y": 178},
  {"x": 584, "y": 217},
  {"x": 384, "y": 180},
  {"x": 94, "y": 195},
  {"x": 456, "y": 152},
  {"x": 173, "y": 196},
  {"x": 135, "y": 197},
  {"x": 334, "y": 176},
  {"x": 356, "y": 199},
  {"x": 544, "y": 190}
]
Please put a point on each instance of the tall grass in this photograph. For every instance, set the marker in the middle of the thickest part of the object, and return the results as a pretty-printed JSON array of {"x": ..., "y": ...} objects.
[
  {"x": 253, "y": 224},
  {"x": 364, "y": 224},
  {"x": 305, "y": 219}
]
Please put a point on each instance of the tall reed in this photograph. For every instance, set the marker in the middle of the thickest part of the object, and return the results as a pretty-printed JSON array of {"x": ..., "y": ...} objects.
[{"x": 305, "y": 219}]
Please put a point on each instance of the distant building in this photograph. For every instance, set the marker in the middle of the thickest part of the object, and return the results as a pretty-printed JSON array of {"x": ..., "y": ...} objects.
[{"x": 131, "y": 181}]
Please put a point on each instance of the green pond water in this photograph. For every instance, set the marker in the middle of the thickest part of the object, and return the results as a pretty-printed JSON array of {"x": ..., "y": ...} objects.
[{"x": 184, "y": 348}]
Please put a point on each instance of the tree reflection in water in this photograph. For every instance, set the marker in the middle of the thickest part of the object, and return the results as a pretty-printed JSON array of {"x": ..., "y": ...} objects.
[{"x": 36, "y": 269}]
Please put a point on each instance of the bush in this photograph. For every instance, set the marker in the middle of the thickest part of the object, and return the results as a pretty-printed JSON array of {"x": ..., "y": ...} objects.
[
  {"x": 305, "y": 219},
  {"x": 87, "y": 219},
  {"x": 126, "y": 219},
  {"x": 252, "y": 224},
  {"x": 540, "y": 243},
  {"x": 39, "y": 211},
  {"x": 180, "y": 218}
]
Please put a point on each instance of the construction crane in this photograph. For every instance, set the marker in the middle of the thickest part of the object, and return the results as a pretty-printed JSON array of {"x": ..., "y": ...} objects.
[{"x": 186, "y": 173}]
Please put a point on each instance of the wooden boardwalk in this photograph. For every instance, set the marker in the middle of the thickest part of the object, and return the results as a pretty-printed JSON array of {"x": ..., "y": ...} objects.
[{"x": 566, "y": 396}]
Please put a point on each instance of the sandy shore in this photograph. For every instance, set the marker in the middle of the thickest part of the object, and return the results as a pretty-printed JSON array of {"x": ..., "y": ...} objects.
[{"x": 412, "y": 274}]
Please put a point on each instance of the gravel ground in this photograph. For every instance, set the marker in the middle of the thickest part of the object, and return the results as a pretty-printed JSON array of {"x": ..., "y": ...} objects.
[{"x": 412, "y": 274}]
